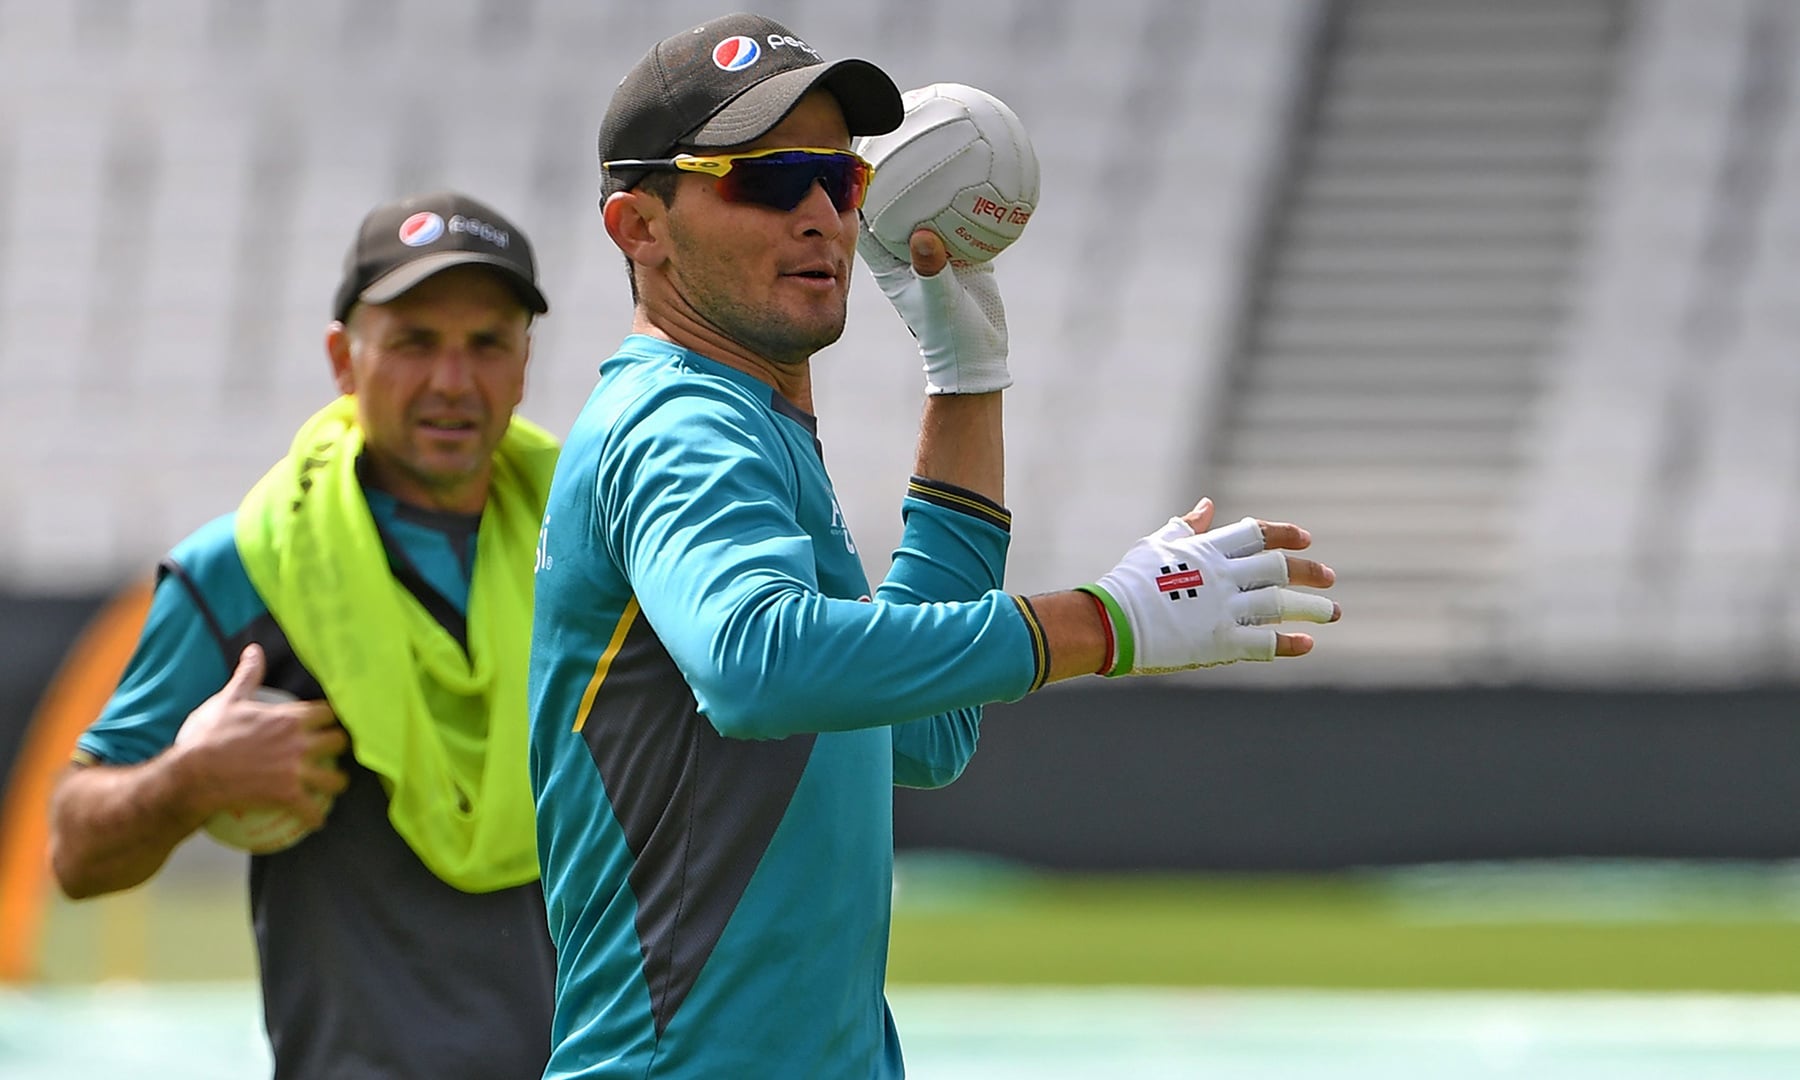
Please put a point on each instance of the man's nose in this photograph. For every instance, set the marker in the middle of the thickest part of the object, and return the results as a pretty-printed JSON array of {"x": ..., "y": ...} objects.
[
  {"x": 453, "y": 371},
  {"x": 817, "y": 213}
]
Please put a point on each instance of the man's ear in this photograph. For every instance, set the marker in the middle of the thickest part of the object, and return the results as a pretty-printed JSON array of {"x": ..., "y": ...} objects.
[
  {"x": 337, "y": 347},
  {"x": 638, "y": 221}
]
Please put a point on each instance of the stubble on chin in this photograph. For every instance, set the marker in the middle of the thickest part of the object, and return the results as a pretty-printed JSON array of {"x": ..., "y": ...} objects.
[
  {"x": 776, "y": 335},
  {"x": 766, "y": 329}
]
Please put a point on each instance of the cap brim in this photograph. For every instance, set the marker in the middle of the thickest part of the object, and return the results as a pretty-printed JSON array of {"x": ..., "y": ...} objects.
[
  {"x": 402, "y": 279},
  {"x": 870, "y": 100}
]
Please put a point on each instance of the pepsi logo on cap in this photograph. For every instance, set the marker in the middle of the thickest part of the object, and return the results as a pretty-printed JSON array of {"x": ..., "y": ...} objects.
[
  {"x": 421, "y": 229},
  {"x": 736, "y": 53}
]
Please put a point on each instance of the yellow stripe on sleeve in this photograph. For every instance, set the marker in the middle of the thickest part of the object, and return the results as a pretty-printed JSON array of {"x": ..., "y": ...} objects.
[
  {"x": 604, "y": 665},
  {"x": 956, "y": 499}
]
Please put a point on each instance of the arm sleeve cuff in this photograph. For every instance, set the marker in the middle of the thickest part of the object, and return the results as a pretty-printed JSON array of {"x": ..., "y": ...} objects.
[
  {"x": 1040, "y": 644},
  {"x": 962, "y": 500}
]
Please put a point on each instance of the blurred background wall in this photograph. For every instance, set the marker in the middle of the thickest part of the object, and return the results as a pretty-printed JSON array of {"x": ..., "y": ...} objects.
[{"x": 1493, "y": 297}]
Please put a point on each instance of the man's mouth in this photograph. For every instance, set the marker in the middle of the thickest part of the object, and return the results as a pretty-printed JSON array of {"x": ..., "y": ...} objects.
[{"x": 817, "y": 272}]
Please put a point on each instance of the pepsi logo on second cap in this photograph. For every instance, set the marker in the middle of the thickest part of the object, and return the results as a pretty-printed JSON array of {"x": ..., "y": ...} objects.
[
  {"x": 736, "y": 53},
  {"x": 421, "y": 229}
]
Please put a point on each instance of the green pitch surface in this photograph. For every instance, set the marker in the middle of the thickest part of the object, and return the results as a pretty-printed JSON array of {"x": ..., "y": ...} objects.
[
  {"x": 1590, "y": 971},
  {"x": 959, "y": 921},
  {"x": 1523, "y": 927}
]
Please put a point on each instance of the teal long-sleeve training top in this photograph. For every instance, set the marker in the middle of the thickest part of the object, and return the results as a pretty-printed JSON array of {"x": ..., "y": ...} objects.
[{"x": 720, "y": 709}]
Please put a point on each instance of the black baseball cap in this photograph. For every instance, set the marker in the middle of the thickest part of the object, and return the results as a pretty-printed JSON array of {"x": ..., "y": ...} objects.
[
  {"x": 402, "y": 243},
  {"x": 727, "y": 82}
]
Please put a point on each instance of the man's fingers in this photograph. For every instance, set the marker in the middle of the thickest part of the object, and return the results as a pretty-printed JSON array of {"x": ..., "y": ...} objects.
[
  {"x": 327, "y": 780},
  {"x": 311, "y": 714},
  {"x": 928, "y": 253},
  {"x": 1284, "y": 535},
  {"x": 1265, "y": 606},
  {"x": 328, "y": 742},
  {"x": 1310, "y": 573},
  {"x": 1293, "y": 644},
  {"x": 1296, "y": 606},
  {"x": 1280, "y": 568},
  {"x": 1238, "y": 539},
  {"x": 248, "y": 675},
  {"x": 1200, "y": 517},
  {"x": 1263, "y": 568}
]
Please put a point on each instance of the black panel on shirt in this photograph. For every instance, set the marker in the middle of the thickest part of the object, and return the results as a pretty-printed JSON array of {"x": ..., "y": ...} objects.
[
  {"x": 282, "y": 670},
  {"x": 795, "y": 413},
  {"x": 436, "y": 604},
  {"x": 372, "y": 967},
  {"x": 170, "y": 568},
  {"x": 458, "y": 531},
  {"x": 698, "y": 809},
  {"x": 802, "y": 417}
]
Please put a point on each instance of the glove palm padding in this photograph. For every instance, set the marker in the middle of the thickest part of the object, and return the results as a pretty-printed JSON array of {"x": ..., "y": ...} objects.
[{"x": 956, "y": 315}]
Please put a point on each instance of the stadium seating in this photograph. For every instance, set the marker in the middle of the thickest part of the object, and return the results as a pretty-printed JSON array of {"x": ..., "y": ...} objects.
[
  {"x": 1495, "y": 298},
  {"x": 1654, "y": 527},
  {"x": 1411, "y": 282}
]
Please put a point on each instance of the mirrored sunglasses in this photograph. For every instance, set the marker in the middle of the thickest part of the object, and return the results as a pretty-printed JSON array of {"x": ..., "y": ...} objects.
[{"x": 779, "y": 178}]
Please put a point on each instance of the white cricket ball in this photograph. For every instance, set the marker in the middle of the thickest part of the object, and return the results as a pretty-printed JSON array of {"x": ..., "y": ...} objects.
[
  {"x": 260, "y": 830},
  {"x": 961, "y": 164}
]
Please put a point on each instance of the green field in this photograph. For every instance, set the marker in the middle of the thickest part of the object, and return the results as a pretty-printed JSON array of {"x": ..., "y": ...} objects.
[
  {"x": 1552, "y": 971},
  {"x": 1636, "y": 927},
  {"x": 1332, "y": 932}
]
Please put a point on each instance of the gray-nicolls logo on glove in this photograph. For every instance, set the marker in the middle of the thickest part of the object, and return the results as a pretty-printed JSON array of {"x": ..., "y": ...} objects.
[
  {"x": 1181, "y": 599},
  {"x": 1178, "y": 579}
]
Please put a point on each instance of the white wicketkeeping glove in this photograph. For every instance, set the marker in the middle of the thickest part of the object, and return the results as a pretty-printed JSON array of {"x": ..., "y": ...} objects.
[
  {"x": 1181, "y": 600},
  {"x": 955, "y": 314}
]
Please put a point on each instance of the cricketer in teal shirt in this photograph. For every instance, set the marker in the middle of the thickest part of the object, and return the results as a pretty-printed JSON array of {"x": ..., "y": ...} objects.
[{"x": 719, "y": 712}]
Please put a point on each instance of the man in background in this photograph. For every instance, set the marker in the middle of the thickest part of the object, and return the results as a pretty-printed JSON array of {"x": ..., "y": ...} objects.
[{"x": 378, "y": 582}]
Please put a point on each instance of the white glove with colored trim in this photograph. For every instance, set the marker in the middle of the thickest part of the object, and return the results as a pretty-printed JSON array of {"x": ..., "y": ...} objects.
[
  {"x": 955, "y": 314},
  {"x": 1181, "y": 600}
]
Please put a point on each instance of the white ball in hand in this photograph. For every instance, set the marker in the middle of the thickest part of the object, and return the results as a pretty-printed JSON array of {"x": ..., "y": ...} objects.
[
  {"x": 961, "y": 164},
  {"x": 261, "y": 830}
]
